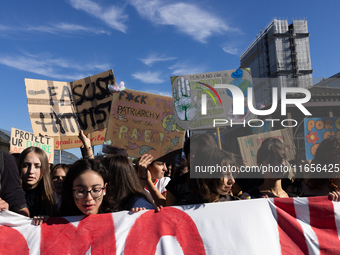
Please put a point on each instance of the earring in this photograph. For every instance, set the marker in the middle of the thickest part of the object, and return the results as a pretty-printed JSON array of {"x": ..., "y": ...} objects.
[{"x": 104, "y": 193}]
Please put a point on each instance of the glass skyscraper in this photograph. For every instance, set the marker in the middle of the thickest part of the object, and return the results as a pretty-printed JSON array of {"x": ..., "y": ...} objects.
[{"x": 279, "y": 57}]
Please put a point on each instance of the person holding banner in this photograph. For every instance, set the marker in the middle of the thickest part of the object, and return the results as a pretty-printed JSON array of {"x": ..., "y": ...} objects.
[
  {"x": 84, "y": 189},
  {"x": 327, "y": 160},
  {"x": 124, "y": 187},
  {"x": 12, "y": 196},
  {"x": 36, "y": 182},
  {"x": 178, "y": 188},
  {"x": 213, "y": 170},
  {"x": 271, "y": 159},
  {"x": 152, "y": 177}
]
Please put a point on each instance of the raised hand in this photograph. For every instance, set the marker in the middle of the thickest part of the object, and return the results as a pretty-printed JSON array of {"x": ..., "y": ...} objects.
[{"x": 182, "y": 100}]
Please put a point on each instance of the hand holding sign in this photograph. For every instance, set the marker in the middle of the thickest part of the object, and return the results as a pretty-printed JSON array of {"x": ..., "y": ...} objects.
[{"x": 182, "y": 100}]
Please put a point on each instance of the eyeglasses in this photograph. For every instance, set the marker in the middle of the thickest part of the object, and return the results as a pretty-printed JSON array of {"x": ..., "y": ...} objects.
[{"x": 81, "y": 193}]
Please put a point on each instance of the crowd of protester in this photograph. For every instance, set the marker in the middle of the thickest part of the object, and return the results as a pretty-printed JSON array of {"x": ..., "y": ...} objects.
[{"x": 32, "y": 187}]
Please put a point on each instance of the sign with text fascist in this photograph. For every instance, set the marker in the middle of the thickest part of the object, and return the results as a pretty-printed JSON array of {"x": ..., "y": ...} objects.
[
  {"x": 20, "y": 140},
  {"x": 198, "y": 101},
  {"x": 63, "y": 108},
  {"x": 141, "y": 122}
]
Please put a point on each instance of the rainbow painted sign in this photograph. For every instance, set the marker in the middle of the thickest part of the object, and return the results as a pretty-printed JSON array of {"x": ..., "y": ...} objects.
[
  {"x": 197, "y": 101},
  {"x": 317, "y": 129}
]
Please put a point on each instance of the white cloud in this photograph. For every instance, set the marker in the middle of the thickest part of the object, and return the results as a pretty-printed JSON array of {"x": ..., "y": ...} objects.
[
  {"x": 60, "y": 28},
  {"x": 187, "y": 18},
  {"x": 43, "y": 64},
  {"x": 66, "y": 28},
  {"x": 113, "y": 16},
  {"x": 153, "y": 58},
  {"x": 231, "y": 50},
  {"x": 148, "y": 77},
  {"x": 183, "y": 68}
]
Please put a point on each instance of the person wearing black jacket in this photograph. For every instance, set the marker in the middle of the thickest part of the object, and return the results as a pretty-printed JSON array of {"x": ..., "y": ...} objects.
[{"x": 12, "y": 196}]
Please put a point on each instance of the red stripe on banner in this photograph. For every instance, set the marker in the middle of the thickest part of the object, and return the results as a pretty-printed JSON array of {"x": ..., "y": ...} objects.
[
  {"x": 59, "y": 236},
  {"x": 322, "y": 221},
  {"x": 168, "y": 222},
  {"x": 292, "y": 239},
  {"x": 12, "y": 241}
]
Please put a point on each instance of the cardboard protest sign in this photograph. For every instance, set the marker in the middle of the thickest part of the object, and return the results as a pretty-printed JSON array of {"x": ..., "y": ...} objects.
[
  {"x": 266, "y": 127},
  {"x": 141, "y": 123},
  {"x": 188, "y": 100},
  {"x": 20, "y": 140},
  {"x": 62, "y": 108},
  {"x": 92, "y": 100},
  {"x": 69, "y": 142},
  {"x": 249, "y": 145},
  {"x": 317, "y": 129}
]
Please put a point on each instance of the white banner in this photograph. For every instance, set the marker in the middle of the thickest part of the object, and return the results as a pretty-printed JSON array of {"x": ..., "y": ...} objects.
[{"x": 260, "y": 226}]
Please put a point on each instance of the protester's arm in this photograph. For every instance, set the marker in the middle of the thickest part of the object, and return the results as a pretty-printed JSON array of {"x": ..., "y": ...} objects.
[
  {"x": 170, "y": 199},
  {"x": 146, "y": 179},
  {"x": 3, "y": 205},
  {"x": 160, "y": 200},
  {"x": 86, "y": 149},
  {"x": 142, "y": 166},
  {"x": 24, "y": 211}
]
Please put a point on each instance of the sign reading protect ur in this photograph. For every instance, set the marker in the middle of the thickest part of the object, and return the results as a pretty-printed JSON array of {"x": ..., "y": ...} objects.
[
  {"x": 20, "y": 140},
  {"x": 317, "y": 129}
]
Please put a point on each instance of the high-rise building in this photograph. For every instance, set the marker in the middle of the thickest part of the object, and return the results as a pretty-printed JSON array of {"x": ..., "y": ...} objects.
[{"x": 281, "y": 53}]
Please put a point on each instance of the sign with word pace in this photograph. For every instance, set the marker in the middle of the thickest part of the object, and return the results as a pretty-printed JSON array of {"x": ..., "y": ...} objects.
[
  {"x": 20, "y": 140},
  {"x": 63, "y": 108},
  {"x": 141, "y": 123},
  {"x": 317, "y": 129},
  {"x": 69, "y": 142},
  {"x": 197, "y": 103},
  {"x": 249, "y": 145}
]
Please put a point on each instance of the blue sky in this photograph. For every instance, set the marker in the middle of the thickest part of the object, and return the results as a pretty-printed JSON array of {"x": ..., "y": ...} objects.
[{"x": 144, "y": 42}]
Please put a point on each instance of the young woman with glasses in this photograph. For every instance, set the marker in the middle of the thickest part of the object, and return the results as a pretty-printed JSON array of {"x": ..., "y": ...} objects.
[{"x": 84, "y": 189}]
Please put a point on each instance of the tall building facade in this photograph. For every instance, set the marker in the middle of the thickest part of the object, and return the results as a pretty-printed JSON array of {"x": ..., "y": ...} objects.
[{"x": 281, "y": 53}]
